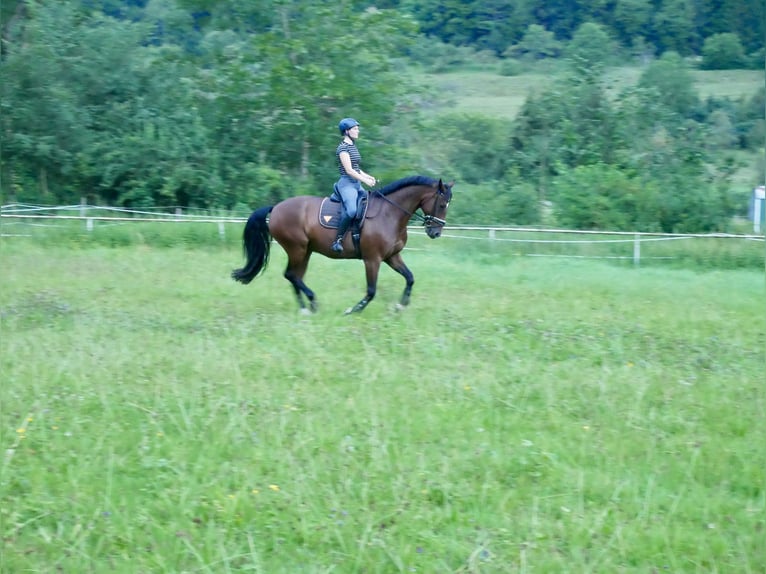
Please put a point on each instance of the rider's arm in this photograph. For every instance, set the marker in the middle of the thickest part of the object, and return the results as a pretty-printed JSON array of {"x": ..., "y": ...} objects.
[
  {"x": 345, "y": 160},
  {"x": 372, "y": 180}
]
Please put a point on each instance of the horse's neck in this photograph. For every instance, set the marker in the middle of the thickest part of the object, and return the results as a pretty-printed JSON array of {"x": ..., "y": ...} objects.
[{"x": 408, "y": 199}]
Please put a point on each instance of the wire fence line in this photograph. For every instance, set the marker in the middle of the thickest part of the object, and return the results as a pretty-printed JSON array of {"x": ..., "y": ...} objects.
[
  {"x": 25, "y": 211},
  {"x": 49, "y": 216}
]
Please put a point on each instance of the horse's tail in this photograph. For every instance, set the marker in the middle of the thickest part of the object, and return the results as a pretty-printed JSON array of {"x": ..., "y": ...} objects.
[{"x": 256, "y": 242}]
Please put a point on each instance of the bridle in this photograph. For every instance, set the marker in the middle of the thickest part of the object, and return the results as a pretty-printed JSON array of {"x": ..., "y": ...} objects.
[{"x": 427, "y": 220}]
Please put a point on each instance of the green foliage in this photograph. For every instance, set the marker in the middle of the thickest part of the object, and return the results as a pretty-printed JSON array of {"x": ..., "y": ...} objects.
[
  {"x": 475, "y": 146},
  {"x": 437, "y": 57},
  {"x": 537, "y": 44},
  {"x": 591, "y": 47},
  {"x": 510, "y": 67},
  {"x": 571, "y": 124},
  {"x": 504, "y": 202},
  {"x": 690, "y": 204},
  {"x": 522, "y": 205},
  {"x": 751, "y": 124},
  {"x": 230, "y": 104},
  {"x": 722, "y": 51},
  {"x": 600, "y": 196},
  {"x": 673, "y": 84},
  {"x": 146, "y": 124},
  {"x": 674, "y": 26},
  {"x": 632, "y": 20}
]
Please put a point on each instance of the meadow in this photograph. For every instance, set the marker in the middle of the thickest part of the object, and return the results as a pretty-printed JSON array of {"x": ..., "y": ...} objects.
[
  {"x": 523, "y": 415},
  {"x": 485, "y": 92}
]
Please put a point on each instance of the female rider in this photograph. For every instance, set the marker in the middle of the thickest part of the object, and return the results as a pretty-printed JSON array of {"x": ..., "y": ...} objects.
[{"x": 351, "y": 177}]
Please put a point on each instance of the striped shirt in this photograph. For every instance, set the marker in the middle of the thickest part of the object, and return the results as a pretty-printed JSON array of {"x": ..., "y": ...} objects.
[{"x": 352, "y": 152}]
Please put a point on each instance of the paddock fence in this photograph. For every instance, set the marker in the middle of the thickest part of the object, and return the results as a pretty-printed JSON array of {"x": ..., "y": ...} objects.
[{"x": 20, "y": 220}]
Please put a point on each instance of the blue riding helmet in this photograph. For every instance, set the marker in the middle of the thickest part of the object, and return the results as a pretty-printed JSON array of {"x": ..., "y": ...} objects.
[{"x": 346, "y": 124}]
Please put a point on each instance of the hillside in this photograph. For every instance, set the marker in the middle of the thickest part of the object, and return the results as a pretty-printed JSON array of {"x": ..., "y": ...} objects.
[{"x": 486, "y": 92}]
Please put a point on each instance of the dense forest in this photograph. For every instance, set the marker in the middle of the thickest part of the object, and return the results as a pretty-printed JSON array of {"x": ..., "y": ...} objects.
[{"x": 224, "y": 104}]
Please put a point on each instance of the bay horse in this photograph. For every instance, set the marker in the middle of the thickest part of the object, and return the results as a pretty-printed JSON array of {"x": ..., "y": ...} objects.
[{"x": 295, "y": 224}]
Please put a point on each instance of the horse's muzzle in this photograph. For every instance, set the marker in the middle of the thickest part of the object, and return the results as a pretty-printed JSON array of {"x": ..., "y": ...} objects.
[{"x": 433, "y": 232}]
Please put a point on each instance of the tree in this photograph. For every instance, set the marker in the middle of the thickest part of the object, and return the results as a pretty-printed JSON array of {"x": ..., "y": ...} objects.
[
  {"x": 591, "y": 47},
  {"x": 673, "y": 84},
  {"x": 674, "y": 29},
  {"x": 537, "y": 44},
  {"x": 604, "y": 197},
  {"x": 632, "y": 19},
  {"x": 722, "y": 51}
]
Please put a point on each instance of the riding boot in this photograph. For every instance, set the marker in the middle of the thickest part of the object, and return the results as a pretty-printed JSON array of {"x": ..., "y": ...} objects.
[{"x": 337, "y": 246}]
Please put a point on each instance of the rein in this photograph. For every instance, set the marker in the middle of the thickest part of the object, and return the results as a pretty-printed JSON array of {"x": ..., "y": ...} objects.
[{"x": 427, "y": 220}]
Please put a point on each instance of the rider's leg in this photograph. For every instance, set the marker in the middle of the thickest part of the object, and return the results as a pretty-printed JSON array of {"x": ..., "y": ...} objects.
[
  {"x": 345, "y": 221},
  {"x": 348, "y": 190}
]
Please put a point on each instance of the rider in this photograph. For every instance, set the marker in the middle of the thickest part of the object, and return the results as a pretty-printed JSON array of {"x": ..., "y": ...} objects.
[{"x": 351, "y": 177}]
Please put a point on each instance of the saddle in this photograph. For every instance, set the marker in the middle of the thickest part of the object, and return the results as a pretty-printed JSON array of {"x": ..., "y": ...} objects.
[{"x": 331, "y": 209}]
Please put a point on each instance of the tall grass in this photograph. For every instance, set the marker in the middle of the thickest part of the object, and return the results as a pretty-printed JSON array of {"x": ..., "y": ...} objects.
[
  {"x": 666, "y": 251},
  {"x": 523, "y": 415}
]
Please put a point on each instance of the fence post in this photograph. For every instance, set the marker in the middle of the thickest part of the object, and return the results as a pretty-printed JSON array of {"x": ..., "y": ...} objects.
[
  {"x": 637, "y": 250},
  {"x": 83, "y": 207},
  {"x": 221, "y": 230}
]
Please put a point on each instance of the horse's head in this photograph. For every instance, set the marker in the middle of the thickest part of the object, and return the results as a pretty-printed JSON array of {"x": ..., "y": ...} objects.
[{"x": 435, "y": 209}]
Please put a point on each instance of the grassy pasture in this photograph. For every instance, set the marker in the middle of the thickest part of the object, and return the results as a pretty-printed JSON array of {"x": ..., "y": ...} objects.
[
  {"x": 485, "y": 92},
  {"x": 523, "y": 415}
]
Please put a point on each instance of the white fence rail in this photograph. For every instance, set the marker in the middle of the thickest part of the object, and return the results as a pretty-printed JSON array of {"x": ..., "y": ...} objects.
[{"x": 31, "y": 215}]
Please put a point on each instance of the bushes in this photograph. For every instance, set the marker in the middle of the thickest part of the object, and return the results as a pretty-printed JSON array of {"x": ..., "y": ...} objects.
[
  {"x": 603, "y": 197},
  {"x": 722, "y": 52}
]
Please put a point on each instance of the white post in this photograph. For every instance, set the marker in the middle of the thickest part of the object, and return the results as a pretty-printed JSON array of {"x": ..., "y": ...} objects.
[
  {"x": 221, "y": 230},
  {"x": 759, "y": 197},
  {"x": 89, "y": 224},
  {"x": 83, "y": 207},
  {"x": 637, "y": 250},
  {"x": 492, "y": 234}
]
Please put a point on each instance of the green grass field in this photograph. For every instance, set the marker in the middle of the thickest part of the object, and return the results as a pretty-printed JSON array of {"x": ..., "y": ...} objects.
[
  {"x": 488, "y": 93},
  {"x": 523, "y": 415}
]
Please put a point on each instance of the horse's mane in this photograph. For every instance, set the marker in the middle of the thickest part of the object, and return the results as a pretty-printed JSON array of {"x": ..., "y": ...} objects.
[{"x": 407, "y": 181}]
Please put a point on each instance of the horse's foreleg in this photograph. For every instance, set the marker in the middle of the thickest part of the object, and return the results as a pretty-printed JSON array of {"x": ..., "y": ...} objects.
[
  {"x": 397, "y": 264},
  {"x": 371, "y": 266}
]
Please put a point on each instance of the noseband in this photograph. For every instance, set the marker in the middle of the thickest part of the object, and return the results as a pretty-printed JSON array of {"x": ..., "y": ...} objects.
[{"x": 428, "y": 220}]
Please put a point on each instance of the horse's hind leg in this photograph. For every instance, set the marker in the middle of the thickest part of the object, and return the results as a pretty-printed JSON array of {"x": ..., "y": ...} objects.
[
  {"x": 297, "y": 263},
  {"x": 397, "y": 264}
]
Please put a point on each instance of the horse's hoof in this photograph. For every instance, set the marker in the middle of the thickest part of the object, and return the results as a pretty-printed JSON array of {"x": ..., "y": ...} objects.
[
  {"x": 399, "y": 307},
  {"x": 305, "y": 312},
  {"x": 348, "y": 311}
]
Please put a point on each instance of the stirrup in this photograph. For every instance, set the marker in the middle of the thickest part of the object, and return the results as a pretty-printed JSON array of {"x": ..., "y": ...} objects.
[{"x": 337, "y": 246}]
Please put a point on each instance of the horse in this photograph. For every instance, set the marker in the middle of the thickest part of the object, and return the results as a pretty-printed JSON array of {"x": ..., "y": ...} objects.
[{"x": 300, "y": 225}]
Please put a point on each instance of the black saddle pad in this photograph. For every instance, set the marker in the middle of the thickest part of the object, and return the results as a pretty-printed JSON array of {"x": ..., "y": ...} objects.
[{"x": 329, "y": 212}]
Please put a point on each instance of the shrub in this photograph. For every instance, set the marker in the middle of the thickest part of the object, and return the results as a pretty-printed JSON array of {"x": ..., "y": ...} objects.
[
  {"x": 603, "y": 197},
  {"x": 722, "y": 51},
  {"x": 510, "y": 68}
]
